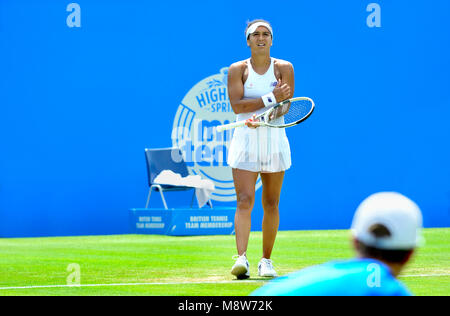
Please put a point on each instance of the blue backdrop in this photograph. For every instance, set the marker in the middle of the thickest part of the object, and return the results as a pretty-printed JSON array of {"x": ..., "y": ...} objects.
[{"x": 78, "y": 105}]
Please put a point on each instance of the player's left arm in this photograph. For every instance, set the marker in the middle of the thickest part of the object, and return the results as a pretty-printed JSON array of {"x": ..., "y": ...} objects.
[
  {"x": 286, "y": 71},
  {"x": 286, "y": 77}
]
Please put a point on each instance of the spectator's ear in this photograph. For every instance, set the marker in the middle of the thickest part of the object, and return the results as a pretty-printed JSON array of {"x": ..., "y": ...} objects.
[
  {"x": 356, "y": 246},
  {"x": 408, "y": 256}
]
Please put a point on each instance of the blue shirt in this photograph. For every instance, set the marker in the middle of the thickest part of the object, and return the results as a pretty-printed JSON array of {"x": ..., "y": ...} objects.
[{"x": 356, "y": 277}]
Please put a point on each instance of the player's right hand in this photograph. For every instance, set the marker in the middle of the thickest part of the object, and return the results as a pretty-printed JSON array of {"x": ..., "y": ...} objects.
[{"x": 250, "y": 122}]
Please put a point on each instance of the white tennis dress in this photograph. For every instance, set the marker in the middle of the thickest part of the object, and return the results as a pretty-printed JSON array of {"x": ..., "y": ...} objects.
[{"x": 262, "y": 149}]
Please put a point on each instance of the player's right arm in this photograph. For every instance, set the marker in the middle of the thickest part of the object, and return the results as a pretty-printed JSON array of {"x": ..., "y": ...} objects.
[{"x": 236, "y": 90}]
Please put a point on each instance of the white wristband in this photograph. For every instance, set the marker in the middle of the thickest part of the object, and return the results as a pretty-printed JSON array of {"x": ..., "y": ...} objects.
[{"x": 269, "y": 99}]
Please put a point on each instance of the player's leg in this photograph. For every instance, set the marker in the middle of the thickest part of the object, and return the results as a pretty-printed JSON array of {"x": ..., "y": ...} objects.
[
  {"x": 244, "y": 182},
  {"x": 272, "y": 183}
]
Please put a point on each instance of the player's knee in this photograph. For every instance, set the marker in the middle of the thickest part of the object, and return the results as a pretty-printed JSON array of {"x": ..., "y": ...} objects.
[
  {"x": 245, "y": 202},
  {"x": 270, "y": 204}
]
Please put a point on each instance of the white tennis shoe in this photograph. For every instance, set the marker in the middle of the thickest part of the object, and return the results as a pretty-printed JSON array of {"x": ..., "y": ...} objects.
[
  {"x": 265, "y": 268},
  {"x": 241, "y": 268}
]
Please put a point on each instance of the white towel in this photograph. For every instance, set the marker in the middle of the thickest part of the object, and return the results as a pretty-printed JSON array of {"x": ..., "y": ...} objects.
[{"x": 203, "y": 187}]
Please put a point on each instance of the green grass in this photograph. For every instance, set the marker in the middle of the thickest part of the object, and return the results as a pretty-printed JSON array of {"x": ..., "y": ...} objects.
[{"x": 190, "y": 265}]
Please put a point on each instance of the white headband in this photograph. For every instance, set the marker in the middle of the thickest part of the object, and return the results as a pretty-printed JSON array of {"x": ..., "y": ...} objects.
[{"x": 254, "y": 26}]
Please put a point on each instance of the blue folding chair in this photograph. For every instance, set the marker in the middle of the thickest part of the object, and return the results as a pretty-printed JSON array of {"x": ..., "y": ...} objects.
[{"x": 166, "y": 159}]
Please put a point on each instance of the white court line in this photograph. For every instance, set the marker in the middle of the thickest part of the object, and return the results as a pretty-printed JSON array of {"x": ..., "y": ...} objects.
[
  {"x": 423, "y": 275},
  {"x": 128, "y": 284},
  {"x": 176, "y": 283}
]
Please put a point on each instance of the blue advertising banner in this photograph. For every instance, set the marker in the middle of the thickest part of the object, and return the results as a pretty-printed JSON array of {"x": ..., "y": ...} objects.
[
  {"x": 86, "y": 86},
  {"x": 182, "y": 222}
]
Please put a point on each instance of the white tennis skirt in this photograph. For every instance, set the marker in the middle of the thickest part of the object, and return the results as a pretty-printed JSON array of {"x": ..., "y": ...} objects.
[{"x": 262, "y": 149}]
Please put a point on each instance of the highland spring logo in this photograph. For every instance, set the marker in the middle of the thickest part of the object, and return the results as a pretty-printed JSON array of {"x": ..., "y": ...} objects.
[{"x": 204, "y": 149}]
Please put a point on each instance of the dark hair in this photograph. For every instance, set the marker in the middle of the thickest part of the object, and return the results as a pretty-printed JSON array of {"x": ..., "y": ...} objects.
[
  {"x": 249, "y": 23},
  {"x": 392, "y": 256}
]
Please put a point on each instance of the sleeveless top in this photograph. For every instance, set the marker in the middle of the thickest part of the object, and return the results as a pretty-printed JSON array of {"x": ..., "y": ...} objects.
[
  {"x": 263, "y": 149},
  {"x": 256, "y": 86}
]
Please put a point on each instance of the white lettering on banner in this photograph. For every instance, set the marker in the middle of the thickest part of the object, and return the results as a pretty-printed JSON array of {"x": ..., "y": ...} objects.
[
  {"x": 150, "y": 222},
  {"x": 191, "y": 225},
  {"x": 212, "y": 96},
  {"x": 203, "y": 222},
  {"x": 199, "y": 218},
  {"x": 216, "y": 225},
  {"x": 154, "y": 225},
  {"x": 219, "y": 218}
]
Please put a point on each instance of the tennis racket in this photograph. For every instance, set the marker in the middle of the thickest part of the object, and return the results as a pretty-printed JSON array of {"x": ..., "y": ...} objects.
[{"x": 284, "y": 114}]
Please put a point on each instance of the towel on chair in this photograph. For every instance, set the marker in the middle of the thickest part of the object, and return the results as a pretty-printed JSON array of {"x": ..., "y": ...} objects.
[{"x": 203, "y": 187}]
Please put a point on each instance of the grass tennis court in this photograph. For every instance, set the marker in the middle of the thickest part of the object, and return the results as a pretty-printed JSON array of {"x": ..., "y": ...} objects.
[{"x": 191, "y": 266}]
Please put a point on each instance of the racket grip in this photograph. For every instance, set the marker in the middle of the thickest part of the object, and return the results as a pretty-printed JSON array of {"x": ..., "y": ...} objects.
[{"x": 221, "y": 128}]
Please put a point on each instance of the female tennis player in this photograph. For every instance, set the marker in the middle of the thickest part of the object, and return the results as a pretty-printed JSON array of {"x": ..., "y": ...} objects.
[{"x": 253, "y": 84}]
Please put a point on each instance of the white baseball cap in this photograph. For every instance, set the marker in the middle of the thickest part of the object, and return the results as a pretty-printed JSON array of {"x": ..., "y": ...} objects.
[{"x": 401, "y": 216}]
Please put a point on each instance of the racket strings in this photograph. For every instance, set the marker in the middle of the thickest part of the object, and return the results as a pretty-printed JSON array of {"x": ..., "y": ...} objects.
[{"x": 297, "y": 111}]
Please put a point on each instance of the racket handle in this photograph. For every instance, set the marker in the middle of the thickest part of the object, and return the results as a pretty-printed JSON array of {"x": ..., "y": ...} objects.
[{"x": 221, "y": 128}]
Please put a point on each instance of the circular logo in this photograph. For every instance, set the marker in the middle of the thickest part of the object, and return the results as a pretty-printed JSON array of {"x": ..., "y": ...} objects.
[{"x": 204, "y": 149}]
